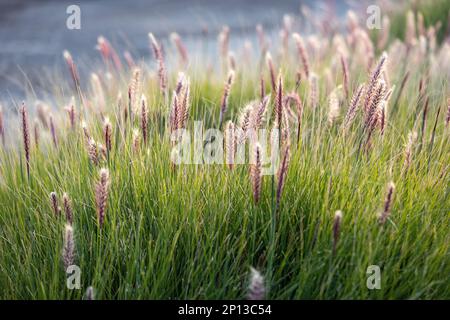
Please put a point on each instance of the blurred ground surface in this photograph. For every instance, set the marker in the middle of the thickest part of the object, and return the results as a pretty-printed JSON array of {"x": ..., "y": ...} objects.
[{"x": 33, "y": 33}]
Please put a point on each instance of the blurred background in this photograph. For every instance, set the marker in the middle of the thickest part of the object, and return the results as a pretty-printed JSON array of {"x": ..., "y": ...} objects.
[{"x": 33, "y": 33}]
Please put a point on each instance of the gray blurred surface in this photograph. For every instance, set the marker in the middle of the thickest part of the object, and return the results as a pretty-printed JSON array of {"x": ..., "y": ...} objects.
[{"x": 33, "y": 33}]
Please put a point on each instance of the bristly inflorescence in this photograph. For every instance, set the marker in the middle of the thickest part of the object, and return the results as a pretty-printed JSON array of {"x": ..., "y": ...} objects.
[
  {"x": 134, "y": 88},
  {"x": 409, "y": 149},
  {"x": 26, "y": 136},
  {"x": 72, "y": 114},
  {"x": 354, "y": 105},
  {"x": 373, "y": 83},
  {"x": 256, "y": 288},
  {"x": 72, "y": 69},
  {"x": 90, "y": 294},
  {"x": 225, "y": 97},
  {"x": 53, "y": 131},
  {"x": 345, "y": 73},
  {"x": 271, "y": 68},
  {"x": 279, "y": 102},
  {"x": 67, "y": 204},
  {"x": 387, "y": 206},
  {"x": 336, "y": 229},
  {"x": 36, "y": 133},
  {"x": 256, "y": 172},
  {"x": 181, "y": 48},
  {"x": 314, "y": 90},
  {"x": 68, "y": 254},
  {"x": 334, "y": 105},
  {"x": 144, "y": 119},
  {"x": 180, "y": 105},
  {"x": 230, "y": 144},
  {"x": 302, "y": 53},
  {"x": 256, "y": 114},
  {"x": 101, "y": 195},
  {"x": 161, "y": 66},
  {"x": 54, "y": 202},
  {"x": 93, "y": 152},
  {"x": 107, "y": 133}
]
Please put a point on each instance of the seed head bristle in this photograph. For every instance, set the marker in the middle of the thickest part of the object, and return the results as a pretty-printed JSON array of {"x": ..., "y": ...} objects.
[
  {"x": 261, "y": 39},
  {"x": 85, "y": 130},
  {"x": 256, "y": 288},
  {"x": 54, "y": 201},
  {"x": 136, "y": 140},
  {"x": 129, "y": 59},
  {"x": 293, "y": 96},
  {"x": 387, "y": 206},
  {"x": 345, "y": 74},
  {"x": 93, "y": 152},
  {"x": 244, "y": 122},
  {"x": 382, "y": 116},
  {"x": 285, "y": 128},
  {"x": 373, "y": 113},
  {"x": 72, "y": 68},
  {"x": 262, "y": 87},
  {"x": 108, "y": 52},
  {"x": 223, "y": 39},
  {"x": 374, "y": 80},
  {"x": 180, "y": 82},
  {"x": 409, "y": 148},
  {"x": 230, "y": 144},
  {"x": 144, "y": 119},
  {"x": 174, "y": 112},
  {"x": 68, "y": 208},
  {"x": 107, "y": 133},
  {"x": 256, "y": 172},
  {"x": 42, "y": 113},
  {"x": 385, "y": 32},
  {"x": 101, "y": 195},
  {"x": 36, "y": 133},
  {"x": 184, "y": 104},
  {"x": 302, "y": 53},
  {"x": 232, "y": 61},
  {"x": 53, "y": 131},
  {"x": 181, "y": 48},
  {"x": 225, "y": 96},
  {"x": 410, "y": 33},
  {"x": 334, "y": 107},
  {"x": 72, "y": 114},
  {"x": 354, "y": 105},
  {"x": 134, "y": 89},
  {"x": 160, "y": 60},
  {"x": 257, "y": 114},
  {"x": 103, "y": 153},
  {"x": 314, "y": 90},
  {"x": 25, "y": 136},
  {"x": 352, "y": 21},
  {"x": 68, "y": 254},
  {"x": 90, "y": 295},
  {"x": 279, "y": 102},
  {"x": 98, "y": 94},
  {"x": 271, "y": 68},
  {"x": 336, "y": 229}
]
